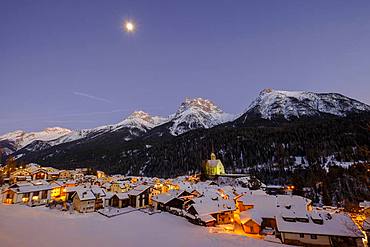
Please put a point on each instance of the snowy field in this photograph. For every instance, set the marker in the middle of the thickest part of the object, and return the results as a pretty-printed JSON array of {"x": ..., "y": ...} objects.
[{"x": 40, "y": 226}]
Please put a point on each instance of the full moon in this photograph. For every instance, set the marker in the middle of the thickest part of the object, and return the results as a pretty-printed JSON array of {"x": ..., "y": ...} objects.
[{"x": 129, "y": 26}]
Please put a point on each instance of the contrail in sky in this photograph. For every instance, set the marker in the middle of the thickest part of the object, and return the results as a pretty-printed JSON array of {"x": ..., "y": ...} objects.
[{"x": 92, "y": 97}]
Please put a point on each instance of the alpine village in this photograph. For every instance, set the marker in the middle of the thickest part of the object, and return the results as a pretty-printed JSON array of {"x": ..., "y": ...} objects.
[{"x": 284, "y": 171}]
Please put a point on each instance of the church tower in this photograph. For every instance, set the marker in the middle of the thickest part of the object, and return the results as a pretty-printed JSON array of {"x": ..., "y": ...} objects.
[{"x": 213, "y": 156}]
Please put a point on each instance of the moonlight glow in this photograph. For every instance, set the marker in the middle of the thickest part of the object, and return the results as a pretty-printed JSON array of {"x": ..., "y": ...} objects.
[{"x": 129, "y": 26}]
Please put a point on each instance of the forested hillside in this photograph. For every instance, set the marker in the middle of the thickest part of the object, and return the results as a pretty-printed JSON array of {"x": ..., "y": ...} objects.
[{"x": 268, "y": 151}]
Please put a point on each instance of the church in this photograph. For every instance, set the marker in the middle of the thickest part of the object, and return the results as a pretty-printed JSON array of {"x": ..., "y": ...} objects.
[{"x": 213, "y": 167}]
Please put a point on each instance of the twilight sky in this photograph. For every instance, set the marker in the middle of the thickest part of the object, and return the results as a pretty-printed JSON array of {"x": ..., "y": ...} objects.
[{"x": 68, "y": 63}]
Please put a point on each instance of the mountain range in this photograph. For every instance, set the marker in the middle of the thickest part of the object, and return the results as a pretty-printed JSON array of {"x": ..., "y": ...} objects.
[
  {"x": 192, "y": 114},
  {"x": 282, "y": 137}
]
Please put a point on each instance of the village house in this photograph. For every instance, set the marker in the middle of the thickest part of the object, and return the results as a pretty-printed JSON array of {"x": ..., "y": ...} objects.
[
  {"x": 98, "y": 182},
  {"x": 70, "y": 190},
  {"x": 107, "y": 198},
  {"x": 39, "y": 173},
  {"x": 119, "y": 200},
  {"x": 140, "y": 196},
  {"x": 365, "y": 207},
  {"x": 78, "y": 176},
  {"x": 212, "y": 211},
  {"x": 83, "y": 200},
  {"x": 27, "y": 193},
  {"x": 99, "y": 194},
  {"x": 20, "y": 175},
  {"x": 70, "y": 183},
  {"x": 250, "y": 220},
  {"x": 120, "y": 186},
  {"x": 51, "y": 173},
  {"x": 100, "y": 174},
  {"x": 318, "y": 228},
  {"x": 57, "y": 191},
  {"x": 106, "y": 186},
  {"x": 266, "y": 207},
  {"x": 165, "y": 201},
  {"x": 65, "y": 174}
]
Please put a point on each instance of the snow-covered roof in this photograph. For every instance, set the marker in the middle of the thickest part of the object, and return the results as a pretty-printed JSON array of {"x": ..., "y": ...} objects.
[
  {"x": 241, "y": 191},
  {"x": 97, "y": 190},
  {"x": 75, "y": 188},
  {"x": 138, "y": 190},
  {"x": 39, "y": 182},
  {"x": 122, "y": 196},
  {"x": 85, "y": 194},
  {"x": 207, "y": 218},
  {"x": 31, "y": 188},
  {"x": 333, "y": 225},
  {"x": 163, "y": 198},
  {"x": 177, "y": 193},
  {"x": 364, "y": 204},
  {"x": 20, "y": 184},
  {"x": 121, "y": 183},
  {"x": 36, "y": 170},
  {"x": 205, "y": 205},
  {"x": 269, "y": 206},
  {"x": 71, "y": 182},
  {"x": 109, "y": 195},
  {"x": 251, "y": 214},
  {"x": 107, "y": 185},
  {"x": 56, "y": 184}
]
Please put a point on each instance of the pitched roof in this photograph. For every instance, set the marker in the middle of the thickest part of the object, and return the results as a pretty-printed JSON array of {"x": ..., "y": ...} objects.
[
  {"x": 251, "y": 214},
  {"x": 163, "y": 198},
  {"x": 122, "y": 196},
  {"x": 97, "y": 190},
  {"x": 109, "y": 195},
  {"x": 205, "y": 205},
  {"x": 31, "y": 188},
  {"x": 207, "y": 218},
  {"x": 269, "y": 206},
  {"x": 138, "y": 190},
  {"x": 84, "y": 194},
  {"x": 333, "y": 225}
]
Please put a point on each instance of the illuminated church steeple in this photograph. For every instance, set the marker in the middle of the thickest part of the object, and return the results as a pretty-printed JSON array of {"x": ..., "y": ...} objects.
[{"x": 213, "y": 156}]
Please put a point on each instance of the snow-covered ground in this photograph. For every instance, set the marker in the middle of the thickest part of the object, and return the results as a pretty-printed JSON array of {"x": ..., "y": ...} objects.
[{"x": 40, "y": 226}]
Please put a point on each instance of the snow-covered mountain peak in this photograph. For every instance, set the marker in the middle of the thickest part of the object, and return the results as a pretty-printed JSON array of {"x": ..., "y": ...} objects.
[
  {"x": 142, "y": 121},
  {"x": 197, "y": 113},
  {"x": 272, "y": 92},
  {"x": 57, "y": 130},
  {"x": 272, "y": 103},
  {"x": 140, "y": 114},
  {"x": 202, "y": 104},
  {"x": 20, "y": 138}
]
